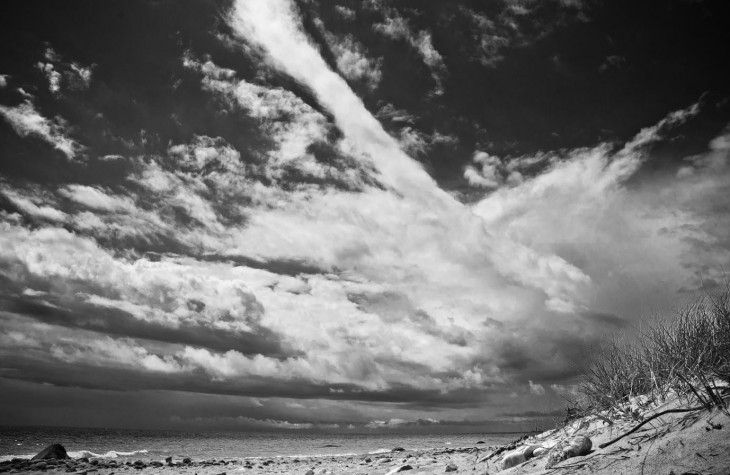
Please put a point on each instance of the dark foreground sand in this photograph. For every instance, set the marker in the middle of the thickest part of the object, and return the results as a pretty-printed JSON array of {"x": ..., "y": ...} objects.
[{"x": 676, "y": 444}]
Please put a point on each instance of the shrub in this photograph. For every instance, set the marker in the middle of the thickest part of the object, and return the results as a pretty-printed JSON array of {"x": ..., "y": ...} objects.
[{"x": 687, "y": 354}]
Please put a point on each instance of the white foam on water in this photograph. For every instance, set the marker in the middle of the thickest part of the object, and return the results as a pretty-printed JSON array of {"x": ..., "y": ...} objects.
[
  {"x": 380, "y": 451},
  {"x": 5, "y": 458},
  {"x": 112, "y": 454}
]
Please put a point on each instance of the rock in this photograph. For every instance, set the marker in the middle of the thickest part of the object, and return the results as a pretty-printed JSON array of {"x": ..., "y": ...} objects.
[
  {"x": 398, "y": 449},
  {"x": 187, "y": 460},
  {"x": 309, "y": 472},
  {"x": 156, "y": 463},
  {"x": 384, "y": 460},
  {"x": 402, "y": 468},
  {"x": 451, "y": 468},
  {"x": 139, "y": 464},
  {"x": 480, "y": 442},
  {"x": 513, "y": 458},
  {"x": 539, "y": 451},
  {"x": 168, "y": 460},
  {"x": 573, "y": 447},
  {"x": 53, "y": 451},
  {"x": 40, "y": 466},
  {"x": 94, "y": 461},
  {"x": 529, "y": 451},
  {"x": 368, "y": 460}
]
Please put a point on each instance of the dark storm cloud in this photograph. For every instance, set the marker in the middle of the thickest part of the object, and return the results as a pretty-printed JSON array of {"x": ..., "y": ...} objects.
[{"x": 117, "y": 322}]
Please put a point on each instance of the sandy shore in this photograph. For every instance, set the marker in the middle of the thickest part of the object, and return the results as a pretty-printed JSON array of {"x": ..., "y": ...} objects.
[{"x": 675, "y": 444}]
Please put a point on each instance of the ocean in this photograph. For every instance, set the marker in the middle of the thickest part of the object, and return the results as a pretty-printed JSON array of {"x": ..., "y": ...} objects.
[{"x": 158, "y": 444}]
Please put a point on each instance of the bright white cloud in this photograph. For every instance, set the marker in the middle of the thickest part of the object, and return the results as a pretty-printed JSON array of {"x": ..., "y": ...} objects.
[
  {"x": 26, "y": 121},
  {"x": 36, "y": 206},
  {"x": 97, "y": 198},
  {"x": 353, "y": 62}
]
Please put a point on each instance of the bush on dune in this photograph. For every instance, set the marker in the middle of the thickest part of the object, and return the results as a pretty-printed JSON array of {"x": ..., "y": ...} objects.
[{"x": 687, "y": 355}]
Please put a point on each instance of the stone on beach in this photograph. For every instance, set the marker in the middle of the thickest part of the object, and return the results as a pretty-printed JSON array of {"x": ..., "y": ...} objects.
[
  {"x": 539, "y": 451},
  {"x": 513, "y": 458},
  {"x": 451, "y": 468},
  {"x": 53, "y": 451},
  {"x": 573, "y": 447},
  {"x": 401, "y": 468},
  {"x": 517, "y": 456}
]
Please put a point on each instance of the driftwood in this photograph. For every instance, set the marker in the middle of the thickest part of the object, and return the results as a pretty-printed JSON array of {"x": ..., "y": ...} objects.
[{"x": 668, "y": 411}]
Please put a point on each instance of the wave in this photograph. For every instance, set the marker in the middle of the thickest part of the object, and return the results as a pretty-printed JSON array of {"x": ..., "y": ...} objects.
[
  {"x": 380, "y": 451},
  {"x": 5, "y": 458},
  {"x": 112, "y": 454}
]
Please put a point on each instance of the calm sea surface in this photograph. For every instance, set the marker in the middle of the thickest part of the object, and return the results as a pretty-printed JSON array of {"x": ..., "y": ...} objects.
[{"x": 124, "y": 444}]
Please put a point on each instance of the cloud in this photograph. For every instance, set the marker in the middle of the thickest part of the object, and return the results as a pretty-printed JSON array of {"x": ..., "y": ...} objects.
[
  {"x": 353, "y": 62},
  {"x": 294, "y": 126},
  {"x": 536, "y": 389},
  {"x": 519, "y": 24},
  {"x": 396, "y": 27},
  {"x": 97, "y": 198},
  {"x": 252, "y": 423},
  {"x": 586, "y": 191},
  {"x": 40, "y": 207},
  {"x": 346, "y": 13},
  {"x": 330, "y": 268},
  {"x": 53, "y": 76},
  {"x": 26, "y": 121},
  {"x": 73, "y": 76},
  {"x": 389, "y": 112}
]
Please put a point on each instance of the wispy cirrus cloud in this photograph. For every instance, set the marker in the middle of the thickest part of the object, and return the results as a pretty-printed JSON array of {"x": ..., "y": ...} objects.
[
  {"x": 27, "y": 121},
  {"x": 397, "y": 27}
]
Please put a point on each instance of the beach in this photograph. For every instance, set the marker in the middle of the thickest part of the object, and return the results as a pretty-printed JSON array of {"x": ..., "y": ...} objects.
[{"x": 689, "y": 442}]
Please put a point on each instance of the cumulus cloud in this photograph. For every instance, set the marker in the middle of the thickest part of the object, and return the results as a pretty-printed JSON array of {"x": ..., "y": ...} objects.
[
  {"x": 587, "y": 192},
  {"x": 353, "y": 62},
  {"x": 72, "y": 76},
  {"x": 488, "y": 171},
  {"x": 536, "y": 389},
  {"x": 293, "y": 125}
]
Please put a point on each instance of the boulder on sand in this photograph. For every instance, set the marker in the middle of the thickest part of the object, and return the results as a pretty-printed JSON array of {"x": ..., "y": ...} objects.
[
  {"x": 519, "y": 455},
  {"x": 573, "y": 447},
  {"x": 53, "y": 451}
]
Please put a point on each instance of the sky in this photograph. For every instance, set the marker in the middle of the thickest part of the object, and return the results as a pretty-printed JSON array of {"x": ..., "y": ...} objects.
[{"x": 339, "y": 215}]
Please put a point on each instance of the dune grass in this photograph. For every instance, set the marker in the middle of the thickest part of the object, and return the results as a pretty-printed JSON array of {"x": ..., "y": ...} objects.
[{"x": 687, "y": 355}]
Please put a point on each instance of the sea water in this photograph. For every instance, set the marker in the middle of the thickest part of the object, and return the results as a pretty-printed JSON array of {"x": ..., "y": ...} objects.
[{"x": 158, "y": 444}]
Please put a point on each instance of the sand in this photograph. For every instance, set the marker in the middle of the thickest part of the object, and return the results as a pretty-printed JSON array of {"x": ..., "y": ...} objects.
[{"x": 675, "y": 444}]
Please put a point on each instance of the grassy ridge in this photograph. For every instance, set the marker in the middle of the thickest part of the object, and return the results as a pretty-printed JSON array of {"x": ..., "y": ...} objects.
[{"x": 687, "y": 355}]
